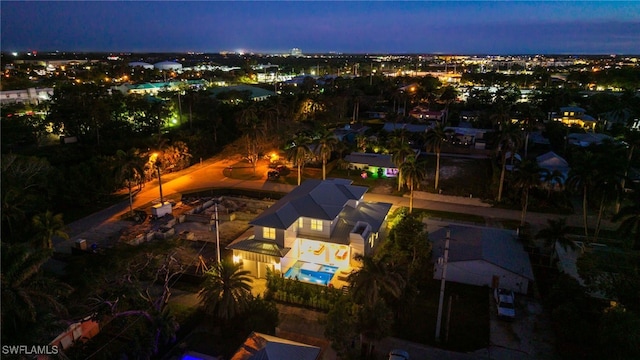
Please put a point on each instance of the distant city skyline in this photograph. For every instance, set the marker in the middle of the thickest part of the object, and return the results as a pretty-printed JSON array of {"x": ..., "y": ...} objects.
[{"x": 398, "y": 27}]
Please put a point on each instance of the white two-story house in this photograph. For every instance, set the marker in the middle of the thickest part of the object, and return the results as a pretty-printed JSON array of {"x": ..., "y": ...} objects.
[{"x": 313, "y": 232}]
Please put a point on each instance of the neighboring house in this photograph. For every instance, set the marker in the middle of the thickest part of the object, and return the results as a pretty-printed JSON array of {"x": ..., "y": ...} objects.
[
  {"x": 256, "y": 93},
  {"x": 422, "y": 113},
  {"x": 260, "y": 346},
  {"x": 482, "y": 256},
  {"x": 552, "y": 162},
  {"x": 26, "y": 96},
  {"x": 465, "y": 135},
  {"x": 349, "y": 132},
  {"x": 573, "y": 115},
  {"x": 413, "y": 128},
  {"x": 374, "y": 163},
  {"x": 313, "y": 232},
  {"x": 587, "y": 139}
]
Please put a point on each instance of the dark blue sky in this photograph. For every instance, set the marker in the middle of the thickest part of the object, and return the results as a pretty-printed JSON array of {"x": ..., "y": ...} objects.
[{"x": 486, "y": 27}]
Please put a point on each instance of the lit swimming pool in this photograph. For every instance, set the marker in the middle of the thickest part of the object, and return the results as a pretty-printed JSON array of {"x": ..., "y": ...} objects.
[{"x": 311, "y": 273}]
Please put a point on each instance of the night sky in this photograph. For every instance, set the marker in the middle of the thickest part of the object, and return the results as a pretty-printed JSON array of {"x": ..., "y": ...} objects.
[{"x": 488, "y": 27}]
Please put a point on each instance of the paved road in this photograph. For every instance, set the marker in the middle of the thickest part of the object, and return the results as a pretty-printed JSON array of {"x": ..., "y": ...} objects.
[{"x": 211, "y": 174}]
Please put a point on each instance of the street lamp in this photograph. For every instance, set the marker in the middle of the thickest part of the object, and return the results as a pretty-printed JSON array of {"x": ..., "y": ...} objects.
[{"x": 442, "y": 282}]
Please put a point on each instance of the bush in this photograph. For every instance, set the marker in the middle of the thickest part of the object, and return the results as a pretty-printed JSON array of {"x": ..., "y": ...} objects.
[{"x": 301, "y": 294}]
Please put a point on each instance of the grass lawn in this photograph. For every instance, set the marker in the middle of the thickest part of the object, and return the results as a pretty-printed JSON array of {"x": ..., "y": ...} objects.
[
  {"x": 469, "y": 325},
  {"x": 444, "y": 215},
  {"x": 460, "y": 176}
]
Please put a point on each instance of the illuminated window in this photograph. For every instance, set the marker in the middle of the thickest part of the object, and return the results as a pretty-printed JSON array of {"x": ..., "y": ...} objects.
[
  {"x": 571, "y": 113},
  {"x": 268, "y": 233},
  {"x": 316, "y": 225},
  {"x": 300, "y": 223}
]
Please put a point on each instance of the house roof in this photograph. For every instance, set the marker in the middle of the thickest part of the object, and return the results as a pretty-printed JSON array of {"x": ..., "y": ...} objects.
[
  {"x": 552, "y": 160},
  {"x": 572, "y": 108},
  {"x": 586, "y": 139},
  {"x": 260, "y": 346},
  {"x": 499, "y": 247},
  {"x": 416, "y": 128},
  {"x": 380, "y": 160},
  {"x": 256, "y": 92},
  {"x": 263, "y": 247},
  {"x": 314, "y": 199}
]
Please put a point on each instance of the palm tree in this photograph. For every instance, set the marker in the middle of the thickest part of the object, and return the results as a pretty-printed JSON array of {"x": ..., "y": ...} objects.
[
  {"x": 509, "y": 139},
  {"x": 632, "y": 138},
  {"x": 226, "y": 291},
  {"x": 581, "y": 177},
  {"x": 629, "y": 217},
  {"x": 556, "y": 232},
  {"x": 47, "y": 226},
  {"x": 298, "y": 153},
  {"x": 400, "y": 151},
  {"x": 373, "y": 279},
  {"x": 449, "y": 95},
  {"x": 130, "y": 169},
  {"x": 326, "y": 144},
  {"x": 434, "y": 139},
  {"x": 551, "y": 179},
  {"x": 527, "y": 177},
  {"x": 26, "y": 291},
  {"x": 412, "y": 173},
  {"x": 607, "y": 187}
]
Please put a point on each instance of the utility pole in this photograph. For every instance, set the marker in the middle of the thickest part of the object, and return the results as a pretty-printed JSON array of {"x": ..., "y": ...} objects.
[
  {"x": 215, "y": 203},
  {"x": 442, "y": 283}
]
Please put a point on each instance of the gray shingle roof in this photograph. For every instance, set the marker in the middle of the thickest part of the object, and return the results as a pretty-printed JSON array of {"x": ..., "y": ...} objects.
[
  {"x": 314, "y": 199},
  {"x": 497, "y": 246},
  {"x": 380, "y": 160},
  {"x": 266, "y": 347},
  {"x": 263, "y": 247}
]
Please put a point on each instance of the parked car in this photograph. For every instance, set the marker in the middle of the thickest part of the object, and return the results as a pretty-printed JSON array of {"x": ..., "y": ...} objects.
[
  {"x": 500, "y": 291},
  {"x": 398, "y": 354},
  {"x": 505, "y": 303},
  {"x": 282, "y": 169},
  {"x": 273, "y": 175}
]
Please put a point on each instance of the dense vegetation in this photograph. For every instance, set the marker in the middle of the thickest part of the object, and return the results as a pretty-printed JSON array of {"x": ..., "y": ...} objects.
[{"x": 67, "y": 157}]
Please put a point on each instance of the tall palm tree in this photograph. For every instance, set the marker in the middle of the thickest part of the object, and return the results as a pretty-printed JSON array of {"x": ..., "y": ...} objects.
[
  {"x": 25, "y": 289},
  {"x": 412, "y": 173},
  {"x": 226, "y": 291},
  {"x": 528, "y": 176},
  {"x": 373, "y": 279},
  {"x": 130, "y": 169},
  {"x": 632, "y": 138},
  {"x": 48, "y": 226},
  {"x": 629, "y": 218},
  {"x": 607, "y": 188},
  {"x": 326, "y": 142},
  {"x": 434, "y": 139},
  {"x": 551, "y": 179},
  {"x": 556, "y": 232},
  {"x": 298, "y": 153},
  {"x": 400, "y": 151},
  {"x": 582, "y": 177},
  {"x": 509, "y": 140}
]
